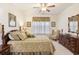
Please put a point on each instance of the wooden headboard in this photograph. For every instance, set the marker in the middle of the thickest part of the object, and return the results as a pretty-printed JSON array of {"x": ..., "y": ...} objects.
[
  {"x": 6, "y": 37},
  {"x": 2, "y": 31}
]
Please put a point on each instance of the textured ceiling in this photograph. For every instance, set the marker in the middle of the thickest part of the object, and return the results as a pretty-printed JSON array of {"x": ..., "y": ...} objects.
[
  {"x": 59, "y": 7},
  {"x": 28, "y": 7}
]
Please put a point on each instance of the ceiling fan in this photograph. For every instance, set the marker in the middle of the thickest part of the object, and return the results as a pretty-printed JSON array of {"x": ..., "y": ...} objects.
[{"x": 45, "y": 7}]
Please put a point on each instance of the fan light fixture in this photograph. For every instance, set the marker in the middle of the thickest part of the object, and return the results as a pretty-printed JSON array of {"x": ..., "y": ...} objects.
[{"x": 43, "y": 7}]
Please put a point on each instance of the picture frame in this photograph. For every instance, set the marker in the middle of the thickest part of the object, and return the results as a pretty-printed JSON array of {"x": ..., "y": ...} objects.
[
  {"x": 12, "y": 20},
  {"x": 28, "y": 24},
  {"x": 53, "y": 24}
]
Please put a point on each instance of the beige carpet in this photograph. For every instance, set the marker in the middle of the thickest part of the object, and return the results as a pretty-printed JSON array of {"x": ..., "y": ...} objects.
[{"x": 61, "y": 50}]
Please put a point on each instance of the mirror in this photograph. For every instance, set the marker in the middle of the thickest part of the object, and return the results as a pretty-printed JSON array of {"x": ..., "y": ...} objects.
[{"x": 73, "y": 24}]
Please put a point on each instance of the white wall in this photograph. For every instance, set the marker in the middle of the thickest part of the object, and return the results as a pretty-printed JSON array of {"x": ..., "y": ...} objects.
[
  {"x": 4, "y": 10},
  {"x": 62, "y": 22},
  {"x": 30, "y": 13},
  {"x": 52, "y": 18}
]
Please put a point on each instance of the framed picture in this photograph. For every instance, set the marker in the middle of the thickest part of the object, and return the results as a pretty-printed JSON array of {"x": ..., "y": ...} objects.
[
  {"x": 12, "y": 20},
  {"x": 53, "y": 24},
  {"x": 28, "y": 24}
]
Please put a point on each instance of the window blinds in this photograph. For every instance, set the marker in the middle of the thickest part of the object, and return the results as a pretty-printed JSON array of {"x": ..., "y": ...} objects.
[{"x": 41, "y": 25}]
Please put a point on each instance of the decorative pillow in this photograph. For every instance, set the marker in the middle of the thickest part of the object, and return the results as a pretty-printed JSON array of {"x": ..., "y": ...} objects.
[
  {"x": 19, "y": 37},
  {"x": 14, "y": 36},
  {"x": 22, "y": 36},
  {"x": 26, "y": 33},
  {"x": 29, "y": 35}
]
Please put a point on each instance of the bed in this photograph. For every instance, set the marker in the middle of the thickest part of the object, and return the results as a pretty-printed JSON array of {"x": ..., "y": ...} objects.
[{"x": 31, "y": 46}]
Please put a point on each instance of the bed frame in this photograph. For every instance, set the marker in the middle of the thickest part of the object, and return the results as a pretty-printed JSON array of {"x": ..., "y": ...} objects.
[
  {"x": 2, "y": 32},
  {"x": 6, "y": 37}
]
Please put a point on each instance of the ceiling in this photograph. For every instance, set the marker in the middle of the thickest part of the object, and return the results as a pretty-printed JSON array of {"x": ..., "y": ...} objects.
[{"x": 59, "y": 7}]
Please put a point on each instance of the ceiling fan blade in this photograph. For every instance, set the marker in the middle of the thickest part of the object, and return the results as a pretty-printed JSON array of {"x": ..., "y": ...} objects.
[
  {"x": 51, "y": 6},
  {"x": 47, "y": 10}
]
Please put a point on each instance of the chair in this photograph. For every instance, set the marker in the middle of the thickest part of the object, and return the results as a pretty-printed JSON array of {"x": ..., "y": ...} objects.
[{"x": 55, "y": 34}]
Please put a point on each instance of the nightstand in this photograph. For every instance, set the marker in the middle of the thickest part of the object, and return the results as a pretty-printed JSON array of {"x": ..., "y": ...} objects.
[{"x": 4, "y": 50}]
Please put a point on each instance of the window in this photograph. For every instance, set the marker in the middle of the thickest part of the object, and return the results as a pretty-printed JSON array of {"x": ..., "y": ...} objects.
[{"x": 40, "y": 27}]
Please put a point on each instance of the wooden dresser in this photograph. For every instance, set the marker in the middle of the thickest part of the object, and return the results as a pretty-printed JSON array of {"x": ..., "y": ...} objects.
[
  {"x": 4, "y": 50},
  {"x": 71, "y": 43}
]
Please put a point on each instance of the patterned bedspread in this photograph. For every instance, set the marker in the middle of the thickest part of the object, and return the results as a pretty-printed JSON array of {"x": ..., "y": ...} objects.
[{"x": 42, "y": 45}]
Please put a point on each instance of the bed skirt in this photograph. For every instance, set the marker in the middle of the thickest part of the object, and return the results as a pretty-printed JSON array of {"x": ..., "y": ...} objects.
[{"x": 31, "y": 53}]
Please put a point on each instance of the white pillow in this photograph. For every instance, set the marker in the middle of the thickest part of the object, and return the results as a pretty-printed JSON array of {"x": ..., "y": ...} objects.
[{"x": 11, "y": 37}]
